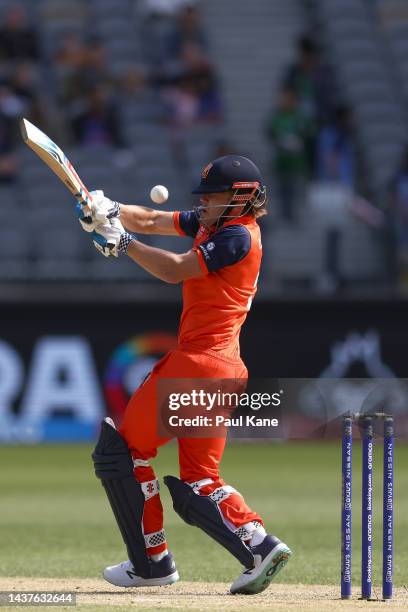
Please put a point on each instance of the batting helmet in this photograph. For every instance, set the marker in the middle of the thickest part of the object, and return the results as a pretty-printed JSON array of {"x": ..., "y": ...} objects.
[
  {"x": 229, "y": 172},
  {"x": 237, "y": 174}
]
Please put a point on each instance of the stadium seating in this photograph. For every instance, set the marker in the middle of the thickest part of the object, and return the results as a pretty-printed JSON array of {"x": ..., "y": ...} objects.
[
  {"x": 250, "y": 50},
  {"x": 364, "y": 69}
]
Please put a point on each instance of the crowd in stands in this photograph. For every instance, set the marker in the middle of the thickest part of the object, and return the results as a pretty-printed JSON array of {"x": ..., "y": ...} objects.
[
  {"x": 83, "y": 98},
  {"x": 19, "y": 51},
  {"x": 398, "y": 220},
  {"x": 73, "y": 92},
  {"x": 310, "y": 129},
  {"x": 312, "y": 138}
]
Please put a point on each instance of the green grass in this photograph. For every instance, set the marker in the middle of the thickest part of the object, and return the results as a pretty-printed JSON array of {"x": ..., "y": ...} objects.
[{"x": 55, "y": 519}]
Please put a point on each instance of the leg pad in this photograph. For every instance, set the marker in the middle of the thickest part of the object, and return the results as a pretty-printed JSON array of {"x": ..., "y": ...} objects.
[
  {"x": 203, "y": 512},
  {"x": 114, "y": 467}
]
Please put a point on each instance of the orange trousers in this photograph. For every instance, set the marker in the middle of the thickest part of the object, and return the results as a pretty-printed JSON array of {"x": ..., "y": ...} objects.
[{"x": 199, "y": 458}]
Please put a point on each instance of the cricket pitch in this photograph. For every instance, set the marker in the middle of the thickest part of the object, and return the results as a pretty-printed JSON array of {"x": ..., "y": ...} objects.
[{"x": 96, "y": 594}]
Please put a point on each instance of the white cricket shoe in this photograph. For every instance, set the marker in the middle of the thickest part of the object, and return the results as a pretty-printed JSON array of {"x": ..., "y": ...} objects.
[
  {"x": 162, "y": 572},
  {"x": 270, "y": 557}
]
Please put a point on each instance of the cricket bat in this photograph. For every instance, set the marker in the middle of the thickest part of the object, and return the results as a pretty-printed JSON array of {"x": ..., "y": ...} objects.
[{"x": 55, "y": 159}]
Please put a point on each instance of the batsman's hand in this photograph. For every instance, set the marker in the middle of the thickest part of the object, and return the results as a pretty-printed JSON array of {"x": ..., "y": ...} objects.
[
  {"x": 102, "y": 210},
  {"x": 110, "y": 238}
]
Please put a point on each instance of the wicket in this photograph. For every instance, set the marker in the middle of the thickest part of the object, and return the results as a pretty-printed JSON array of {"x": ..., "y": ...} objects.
[{"x": 366, "y": 427}]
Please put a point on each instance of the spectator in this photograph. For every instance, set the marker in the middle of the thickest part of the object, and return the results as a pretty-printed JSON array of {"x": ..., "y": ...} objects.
[
  {"x": 180, "y": 102},
  {"x": 289, "y": 128},
  {"x": 96, "y": 120},
  {"x": 399, "y": 216},
  {"x": 11, "y": 109},
  {"x": 8, "y": 161},
  {"x": 133, "y": 81},
  {"x": 336, "y": 150},
  {"x": 312, "y": 82},
  {"x": 188, "y": 31},
  {"x": 162, "y": 8},
  {"x": 96, "y": 57},
  {"x": 209, "y": 100},
  {"x": 69, "y": 61},
  {"x": 88, "y": 65},
  {"x": 192, "y": 95},
  {"x": 199, "y": 70},
  {"x": 138, "y": 100},
  {"x": 70, "y": 54},
  {"x": 18, "y": 40},
  {"x": 32, "y": 102},
  {"x": 24, "y": 84},
  {"x": 169, "y": 25}
]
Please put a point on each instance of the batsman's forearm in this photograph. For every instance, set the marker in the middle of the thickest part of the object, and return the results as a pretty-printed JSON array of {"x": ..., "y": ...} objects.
[
  {"x": 160, "y": 263},
  {"x": 137, "y": 218}
]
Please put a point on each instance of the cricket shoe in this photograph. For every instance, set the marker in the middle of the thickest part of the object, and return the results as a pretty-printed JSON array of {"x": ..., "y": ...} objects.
[
  {"x": 162, "y": 572},
  {"x": 270, "y": 556}
]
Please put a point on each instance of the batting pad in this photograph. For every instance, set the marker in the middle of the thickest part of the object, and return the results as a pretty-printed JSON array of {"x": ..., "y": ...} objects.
[
  {"x": 202, "y": 512},
  {"x": 114, "y": 466}
]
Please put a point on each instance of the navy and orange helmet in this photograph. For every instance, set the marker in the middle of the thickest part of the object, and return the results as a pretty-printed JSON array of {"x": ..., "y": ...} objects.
[{"x": 237, "y": 174}]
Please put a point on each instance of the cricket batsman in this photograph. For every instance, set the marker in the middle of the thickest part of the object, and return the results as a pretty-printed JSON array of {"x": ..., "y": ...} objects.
[{"x": 219, "y": 275}]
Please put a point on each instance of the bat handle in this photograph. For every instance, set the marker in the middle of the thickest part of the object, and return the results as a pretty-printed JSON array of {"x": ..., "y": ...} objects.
[
  {"x": 87, "y": 209},
  {"x": 86, "y": 200}
]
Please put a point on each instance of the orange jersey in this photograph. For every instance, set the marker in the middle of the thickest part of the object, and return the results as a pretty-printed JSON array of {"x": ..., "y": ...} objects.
[{"x": 216, "y": 304}]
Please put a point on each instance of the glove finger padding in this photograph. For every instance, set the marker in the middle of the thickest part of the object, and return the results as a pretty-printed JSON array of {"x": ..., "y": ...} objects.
[
  {"x": 106, "y": 251},
  {"x": 117, "y": 225},
  {"x": 103, "y": 209},
  {"x": 103, "y": 246},
  {"x": 107, "y": 211},
  {"x": 107, "y": 236},
  {"x": 86, "y": 222},
  {"x": 97, "y": 195}
]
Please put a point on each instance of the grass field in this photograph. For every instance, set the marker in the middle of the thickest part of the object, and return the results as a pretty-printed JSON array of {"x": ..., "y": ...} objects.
[{"x": 55, "y": 520}]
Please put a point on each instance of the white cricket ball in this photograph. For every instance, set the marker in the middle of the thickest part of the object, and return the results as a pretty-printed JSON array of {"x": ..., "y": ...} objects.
[{"x": 159, "y": 194}]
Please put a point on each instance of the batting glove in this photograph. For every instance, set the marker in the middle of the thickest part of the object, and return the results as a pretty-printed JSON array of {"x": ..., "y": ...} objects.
[
  {"x": 102, "y": 210},
  {"x": 110, "y": 238}
]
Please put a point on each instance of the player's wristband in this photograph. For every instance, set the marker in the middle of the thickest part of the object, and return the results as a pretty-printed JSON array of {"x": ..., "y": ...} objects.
[{"x": 125, "y": 240}]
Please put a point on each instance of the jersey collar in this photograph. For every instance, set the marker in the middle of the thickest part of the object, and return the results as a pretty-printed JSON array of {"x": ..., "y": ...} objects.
[{"x": 247, "y": 219}]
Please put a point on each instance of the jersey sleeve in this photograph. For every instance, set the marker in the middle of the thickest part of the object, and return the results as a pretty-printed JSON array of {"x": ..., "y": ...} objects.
[
  {"x": 186, "y": 222},
  {"x": 226, "y": 248}
]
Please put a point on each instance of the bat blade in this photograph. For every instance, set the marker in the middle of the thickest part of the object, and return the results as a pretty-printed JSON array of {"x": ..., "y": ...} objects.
[{"x": 55, "y": 159}]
